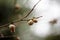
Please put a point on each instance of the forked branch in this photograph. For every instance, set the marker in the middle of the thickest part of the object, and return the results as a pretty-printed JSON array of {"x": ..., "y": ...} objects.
[{"x": 22, "y": 19}]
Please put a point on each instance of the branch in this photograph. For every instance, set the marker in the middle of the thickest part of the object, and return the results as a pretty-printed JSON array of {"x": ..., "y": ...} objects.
[
  {"x": 8, "y": 36},
  {"x": 31, "y": 18},
  {"x": 23, "y": 17},
  {"x": 28, "y": 13},
  {"x": 32, "y": 9},
  {"x": 15, "y": 1}
]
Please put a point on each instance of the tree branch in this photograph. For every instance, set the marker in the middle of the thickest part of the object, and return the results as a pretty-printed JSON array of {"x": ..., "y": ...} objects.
[
  {"x": 32, "y": 9},
  {"x": 23, "y": 17},
  {"x": 28, "y": 13}
]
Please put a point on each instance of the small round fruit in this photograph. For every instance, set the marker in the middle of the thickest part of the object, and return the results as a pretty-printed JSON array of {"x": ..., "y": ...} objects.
[
  {"x": 35, "y": 20},
  {"x": 17, "y": 6},
  {"x": 12, "y": 27},
  {"x": 30, "y": 22},
  {"x": 54, "y": 21},
  {"x": 17, "y": 38}
]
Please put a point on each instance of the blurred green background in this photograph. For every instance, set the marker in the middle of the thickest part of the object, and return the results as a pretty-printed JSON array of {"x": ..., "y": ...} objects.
[{"x": 22, "y": 29}]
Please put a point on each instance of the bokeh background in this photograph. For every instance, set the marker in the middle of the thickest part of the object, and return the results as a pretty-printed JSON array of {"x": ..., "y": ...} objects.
[{"x": 42, "y": 30}]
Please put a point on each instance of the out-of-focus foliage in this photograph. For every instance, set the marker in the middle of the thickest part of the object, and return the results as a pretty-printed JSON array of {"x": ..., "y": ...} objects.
[
  {"x": 6, "y": 7},
  {"x": 56, "y": 37},
  {"x": 6, "y": 11},
  {"x": 7, "y": 14}
]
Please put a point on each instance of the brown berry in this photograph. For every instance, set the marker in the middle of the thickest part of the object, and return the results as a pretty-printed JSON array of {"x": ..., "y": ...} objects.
[
  {"x": 12, "y": 27},
  {"x": 17, "y": 38},
  {"x": 54, "y": 21},
  {"x": 30, "y": 22},
  {"x": 35, "y": 20},
  {"x": 17, "y": 6}
]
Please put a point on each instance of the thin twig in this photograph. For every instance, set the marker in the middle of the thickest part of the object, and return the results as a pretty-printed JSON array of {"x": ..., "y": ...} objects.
[
  {"x": 32, "y": 9},
  {"x": 15, "y": 1},
  {"x": 28, "y": 13},
  {"x": 23, "y": 17},
  {"x": 8, "y": 36},
  {"x": 31, "y": 18}
]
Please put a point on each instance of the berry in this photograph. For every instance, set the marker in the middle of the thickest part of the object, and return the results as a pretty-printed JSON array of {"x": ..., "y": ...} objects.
[
  {"x": 30, "y": 22},
  {"x": 17, "y": 6},
  {"x": 17, "y": 38},
  {"x": 35, "y": 20},
  {"x": 54, "y": 21},
  {"x": 12, "y": 27}
]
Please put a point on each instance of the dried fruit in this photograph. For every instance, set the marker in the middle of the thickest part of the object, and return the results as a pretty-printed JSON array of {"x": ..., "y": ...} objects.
[
  {"x": 17, "y": 6},
  {"x": 54, "y": 21},
  {"x": 12, "y": 27},
  {"x": 35, "y": 20},
  {"x": 30, "y": 22},
  {"x": 17, "y": 38}
]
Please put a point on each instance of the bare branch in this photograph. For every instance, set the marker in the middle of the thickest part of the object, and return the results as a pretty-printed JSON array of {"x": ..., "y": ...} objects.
[
  {"x": 32, "y": 9},
  {"x": 23, "y": 17},
  {"x": 28, "y": 13},
  {"x": 9, "y": 36},
  {"x": 31, "y": 18}
]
